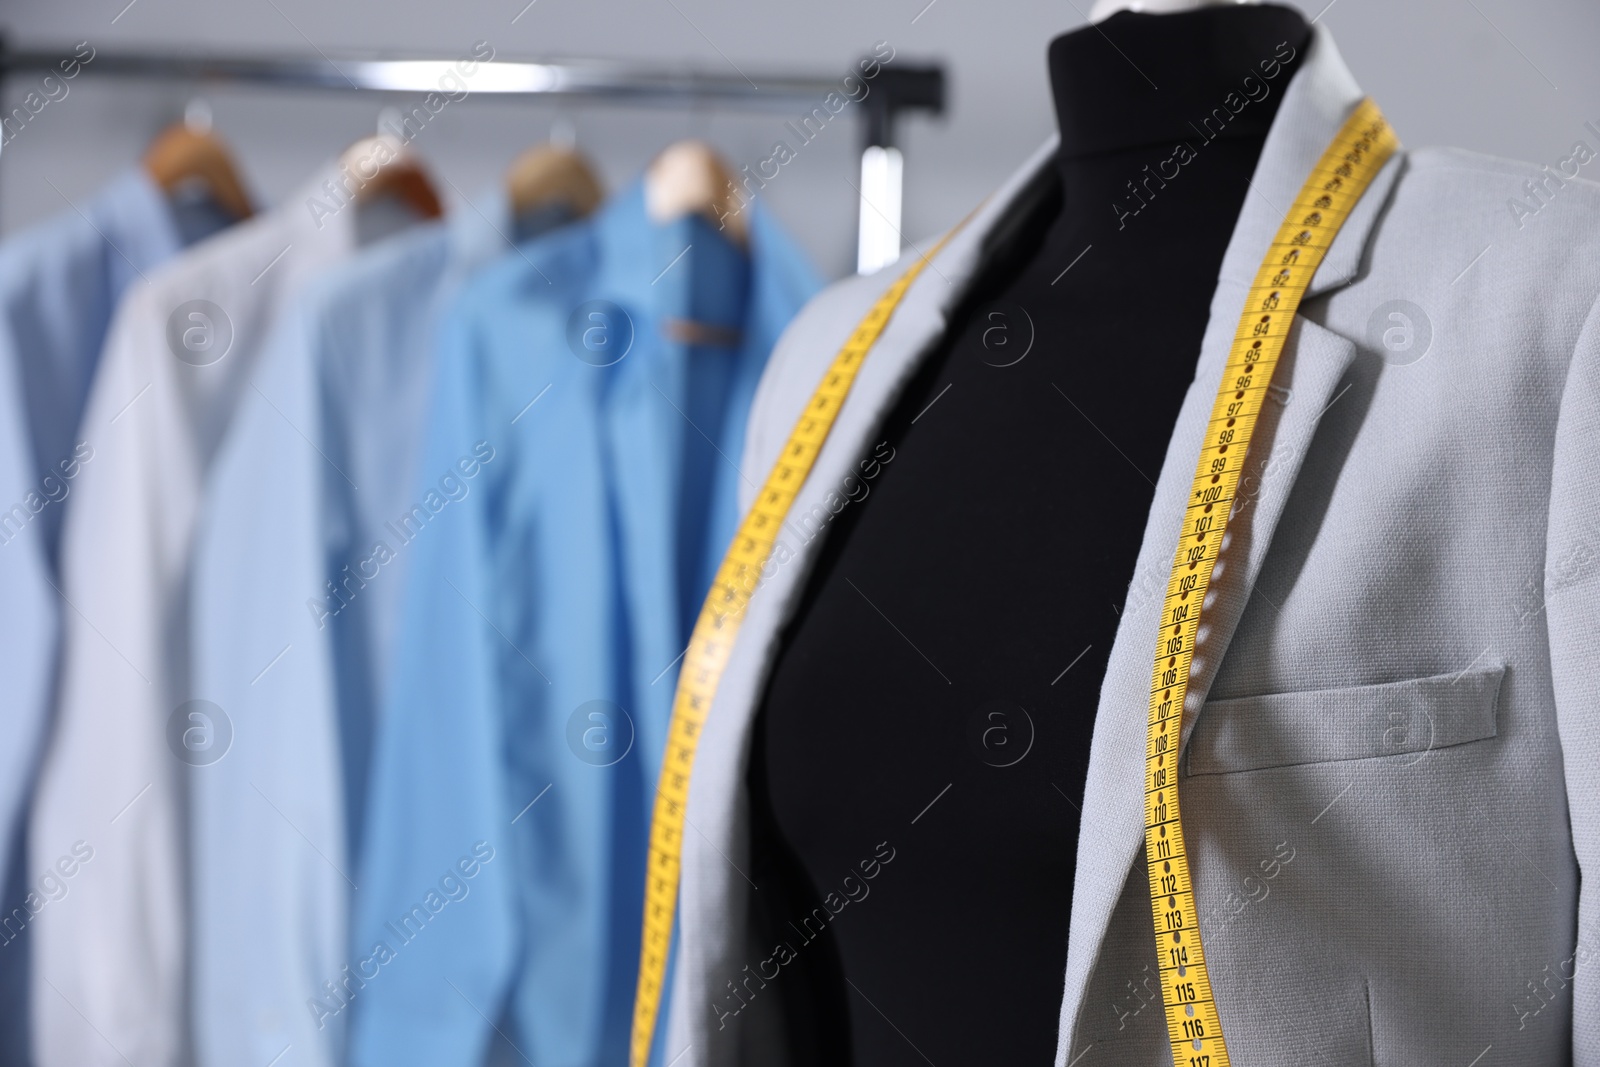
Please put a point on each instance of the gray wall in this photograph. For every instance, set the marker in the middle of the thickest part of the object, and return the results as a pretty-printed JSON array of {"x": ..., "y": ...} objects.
[{"x": 1510, "y": 77}]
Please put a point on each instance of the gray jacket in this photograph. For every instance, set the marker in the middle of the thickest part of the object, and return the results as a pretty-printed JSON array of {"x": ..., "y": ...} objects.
[{"x": 1391, "y": 747}]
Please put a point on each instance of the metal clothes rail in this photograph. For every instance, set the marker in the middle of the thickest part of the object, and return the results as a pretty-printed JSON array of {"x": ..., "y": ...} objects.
[{"x": 894, "y": 91}]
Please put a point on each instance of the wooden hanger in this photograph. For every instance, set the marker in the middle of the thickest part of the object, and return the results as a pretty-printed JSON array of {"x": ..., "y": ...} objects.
[
  {"x": 186, "y": 153},
  {"x": 690, "y": 178},
  {"x": 381, "y": 167},
  {"x": 550, "y": 174}
]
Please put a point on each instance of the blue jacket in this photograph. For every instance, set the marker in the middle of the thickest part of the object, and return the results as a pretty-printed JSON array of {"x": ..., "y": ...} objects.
[{"x": 577, "y": 491}]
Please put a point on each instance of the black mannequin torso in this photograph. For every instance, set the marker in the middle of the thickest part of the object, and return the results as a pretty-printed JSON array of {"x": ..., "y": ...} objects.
[{"x": 950, "y": 644}]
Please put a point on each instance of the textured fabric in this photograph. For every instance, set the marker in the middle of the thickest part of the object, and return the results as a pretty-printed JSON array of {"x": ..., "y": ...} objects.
[
  {"x": 978, "y": 682},
  {"x": 1325, "y": 725},
  {"x": 1565, "y": 592},
  {"x": 321, "y": 455},
  {"x": 568, "y": 513},
  {"x": 59, "y": 284},
  {"x": 109, "y": 958},
  {"x": 1405, "y": 510}
]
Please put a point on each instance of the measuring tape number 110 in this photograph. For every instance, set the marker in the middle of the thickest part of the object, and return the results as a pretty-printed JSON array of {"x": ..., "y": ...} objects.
[
  {"x": 1345, "y": 170},
  {"x": 1343, "y": 173}
]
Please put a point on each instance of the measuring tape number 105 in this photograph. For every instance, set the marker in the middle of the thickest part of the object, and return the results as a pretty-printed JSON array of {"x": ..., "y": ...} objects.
[
  {"x": 1345, "y": 170},
  {"x": 1343, "y": 173}
]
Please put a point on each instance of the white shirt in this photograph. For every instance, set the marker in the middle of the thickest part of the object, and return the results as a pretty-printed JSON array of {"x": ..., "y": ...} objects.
[
  {"x": 108, "y": 983},
  {"x": 349, "y": 370}
]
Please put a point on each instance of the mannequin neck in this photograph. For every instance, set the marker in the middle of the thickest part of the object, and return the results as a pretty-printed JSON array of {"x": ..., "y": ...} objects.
[
  {"x": 1104, "y": 9},
  {"x": 1138, "y": 80}
]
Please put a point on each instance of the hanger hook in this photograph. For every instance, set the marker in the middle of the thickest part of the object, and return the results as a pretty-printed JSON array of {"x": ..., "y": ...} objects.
[
  {"x": 389, "y": 120},
  {"x": 564, "y": 133},
  {"x": 197, "y": 114}
]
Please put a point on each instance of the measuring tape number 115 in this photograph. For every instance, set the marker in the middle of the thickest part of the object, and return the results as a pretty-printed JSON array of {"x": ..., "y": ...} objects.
[
  {"x": 1345, "y": 170},
  {"x": 1343, "y": 173}
]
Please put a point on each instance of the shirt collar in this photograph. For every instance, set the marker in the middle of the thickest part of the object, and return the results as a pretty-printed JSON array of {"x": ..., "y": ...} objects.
[
  {"x": 634, "y": 250},
  {"x": 133, "y": 214},
  {"x": 323, "y": 210},
  {"x": 480, "y": 229}
]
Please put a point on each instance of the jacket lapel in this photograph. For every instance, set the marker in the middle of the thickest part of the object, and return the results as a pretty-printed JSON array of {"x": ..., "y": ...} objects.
[
  {"x": 1305, "y": 384},
  {"x": 713, "y": 890}
]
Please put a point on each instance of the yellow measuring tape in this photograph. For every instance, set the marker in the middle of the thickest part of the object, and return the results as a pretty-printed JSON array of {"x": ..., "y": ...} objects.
[
  {"x": 712, "y": 640},
  {"x": 1342, "y": 174},
  {"x": 1337, "y": 183}
]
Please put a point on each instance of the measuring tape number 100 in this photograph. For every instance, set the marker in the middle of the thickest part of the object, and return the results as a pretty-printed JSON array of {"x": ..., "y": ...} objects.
[{"x": 1344, "y": 172}]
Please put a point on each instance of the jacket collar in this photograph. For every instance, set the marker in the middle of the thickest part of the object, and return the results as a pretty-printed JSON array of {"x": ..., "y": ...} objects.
[{"x": 1315, "y": 105}]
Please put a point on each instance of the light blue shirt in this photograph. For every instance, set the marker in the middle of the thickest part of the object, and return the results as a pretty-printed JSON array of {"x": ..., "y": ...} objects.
[
  {"x": 59, "y": 285},
  {"x": 569, "y": 514},
  {"x": 322, "y": 454}
]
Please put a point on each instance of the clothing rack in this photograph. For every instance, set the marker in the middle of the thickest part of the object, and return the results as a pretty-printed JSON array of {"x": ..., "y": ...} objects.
[{"x": 894, "y": 91}]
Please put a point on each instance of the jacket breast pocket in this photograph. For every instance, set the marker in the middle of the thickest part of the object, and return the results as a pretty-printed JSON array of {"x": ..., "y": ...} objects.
[{"x": 1418, "y": 715}]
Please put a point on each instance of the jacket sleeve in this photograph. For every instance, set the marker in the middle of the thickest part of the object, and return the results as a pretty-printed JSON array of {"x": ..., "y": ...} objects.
[
  {"x": 434, "y": 926},
  {"x": 1572, "y": 591}
]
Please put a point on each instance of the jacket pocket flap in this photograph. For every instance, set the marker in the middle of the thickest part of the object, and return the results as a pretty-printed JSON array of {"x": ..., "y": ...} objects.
[{"x": 1325, "y": 725}]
